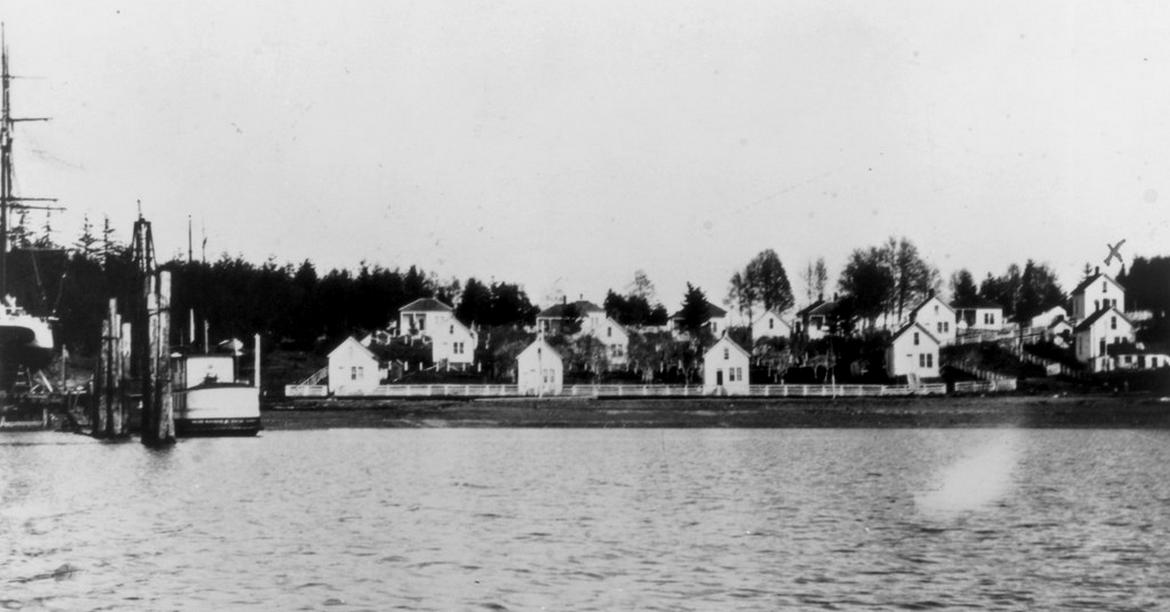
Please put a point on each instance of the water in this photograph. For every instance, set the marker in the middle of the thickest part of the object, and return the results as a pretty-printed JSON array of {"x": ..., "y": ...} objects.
[{"x": 487, "y": 519}]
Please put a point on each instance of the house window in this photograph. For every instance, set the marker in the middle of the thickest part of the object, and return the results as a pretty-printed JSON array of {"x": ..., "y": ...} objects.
[
  {"x": 936, "y": 309},
  {"x": 930, "y": 360},
  {"x": 1112, "y": 322},
  {"x": 726, "y": 354},
  {"x": 451, "y": 329},
  {"x": 353, "y": 371},
  {"x": 609, "y": 332},
  {"x": 922, "y": 360},
  {"x": 457, "y": 348},
  {"x": 771, "y": 323},
  {"x": 989, "y": 318},
  {"x": 939, "y": 327},
  {"x": 1096, "y": 305},
  {"x": 915, "y": 338},
  {"x": 730, "y": 374},
  {"x": 1104, "y": 287},
  {"x": 422, "y": 322}
]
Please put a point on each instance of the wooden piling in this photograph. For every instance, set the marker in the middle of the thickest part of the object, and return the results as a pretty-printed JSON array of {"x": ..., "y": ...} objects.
[{"x": 162, "y": 352}]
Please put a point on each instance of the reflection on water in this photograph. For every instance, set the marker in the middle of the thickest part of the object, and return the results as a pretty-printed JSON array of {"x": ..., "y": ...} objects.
[{"x": 588, "y": 519}]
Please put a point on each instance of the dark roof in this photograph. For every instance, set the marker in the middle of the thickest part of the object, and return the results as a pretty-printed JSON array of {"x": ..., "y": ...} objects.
[
  {"x": 1089, "y": 281},
  {"x": 713, "y": 312},
  {"x": 1096, "y": 316},
  {"x": 824, "y": 309},
  {"x": 979, "y": 302},
  {"x": 807, "y": 309},
  {"x": 912, "y": 324},
  {"x": 1129, "y": 348},
  {"x": 583, "y": 307},
  {"x": 425, "y": 305}
]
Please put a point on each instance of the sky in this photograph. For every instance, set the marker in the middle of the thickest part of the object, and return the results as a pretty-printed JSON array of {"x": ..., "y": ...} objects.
[{"x": 564, "y": 145}]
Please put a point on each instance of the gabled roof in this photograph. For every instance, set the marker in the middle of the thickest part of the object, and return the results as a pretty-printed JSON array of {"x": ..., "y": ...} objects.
[
  {"x": 909, "y": 326},
  {"x": 914, "y": 312},
  {"x": 1092, "y": 279},
  {"x": 713, "y": 312},
  {"x": 979, "y": 302},
  {"x": 824, "y": 309},
  {"x": 773, "y": 312},
  {"x": 807, "y": 309},
  {"x": 425, "y": 305},
  {"x": 733, "y": 343},
  {"x": 557, "y": 311},
  {"x": 355, "y": 342},
  {"x": 541, "y": 343},
  {"x": 1096, "y": 316}
]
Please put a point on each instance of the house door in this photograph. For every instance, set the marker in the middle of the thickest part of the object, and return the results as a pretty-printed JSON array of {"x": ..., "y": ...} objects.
[{"x": 718, "y": 378}]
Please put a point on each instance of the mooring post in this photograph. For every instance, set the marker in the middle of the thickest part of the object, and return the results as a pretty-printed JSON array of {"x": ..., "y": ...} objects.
[
  {"x": 98, "y": 423},
  {"x": 124, "y": 352},
  {"x": 166, "y": 406}
]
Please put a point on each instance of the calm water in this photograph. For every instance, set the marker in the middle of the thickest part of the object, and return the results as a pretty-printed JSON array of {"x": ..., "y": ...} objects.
[{"x": 589, "y": 520}]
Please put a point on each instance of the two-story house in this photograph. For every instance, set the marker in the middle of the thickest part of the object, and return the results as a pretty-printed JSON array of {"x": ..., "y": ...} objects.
[
  {"x": 591, "y": 320},
  {"x": 936, "y": 317},
  {"x": 452, "y": 342},
  {"x": 1095, "y": 293}
]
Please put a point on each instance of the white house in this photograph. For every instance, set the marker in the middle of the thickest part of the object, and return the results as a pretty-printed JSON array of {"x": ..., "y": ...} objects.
[
  {"x": 451, "y": 341},
  {"x": 813, "y": 321},
  {"x": 1095, "y": 293},
  {"x": 353, "y": 369},
  {"x": 913, "y": 351},
  {"x": 1093, "y": 337},
  {"x": 982, "y": 314},
  {"x": 770, "y": 325},
  {"x": 725, "y": 368},
  {"x": 936, "y": 317},
  {"x": 1130, "y": 357},
  {"x": 714, "y": 320},
  {"x": 594, "y": 322},
  {"x": 539, "y": 369}
]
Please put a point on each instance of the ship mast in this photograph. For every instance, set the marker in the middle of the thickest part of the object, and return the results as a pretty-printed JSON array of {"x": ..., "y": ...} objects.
[{"x": 8, "y": 201}]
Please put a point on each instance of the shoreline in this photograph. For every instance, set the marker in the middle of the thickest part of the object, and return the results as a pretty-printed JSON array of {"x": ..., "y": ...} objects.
[{"x": 1038, "y": 412}]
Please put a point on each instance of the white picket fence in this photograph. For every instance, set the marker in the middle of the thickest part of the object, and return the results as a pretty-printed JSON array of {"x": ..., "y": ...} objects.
[{"x": 632, "y": 391}]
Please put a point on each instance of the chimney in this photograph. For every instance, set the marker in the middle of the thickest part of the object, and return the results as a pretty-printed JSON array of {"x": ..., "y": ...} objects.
[
  {"x": 1097, "y": 270},
  {"x": 564, "y": 299}
]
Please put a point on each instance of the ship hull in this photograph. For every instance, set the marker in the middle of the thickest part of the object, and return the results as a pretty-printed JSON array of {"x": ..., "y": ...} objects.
[
  {"x": 217, "y": 409},
  {"x": 21, "y": 347}
]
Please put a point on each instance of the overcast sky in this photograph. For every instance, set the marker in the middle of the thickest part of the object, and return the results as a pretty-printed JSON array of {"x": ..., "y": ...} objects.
[{"x": 563, "y": 145}]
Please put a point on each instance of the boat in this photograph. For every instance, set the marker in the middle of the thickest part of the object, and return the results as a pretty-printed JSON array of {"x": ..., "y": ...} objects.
[
  {"x": 26, "y": 340},
  {"x": 211, "y": 398}
]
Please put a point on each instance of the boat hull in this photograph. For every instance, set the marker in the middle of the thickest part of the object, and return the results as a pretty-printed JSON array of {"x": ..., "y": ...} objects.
[{"x": 217, "y": 409}]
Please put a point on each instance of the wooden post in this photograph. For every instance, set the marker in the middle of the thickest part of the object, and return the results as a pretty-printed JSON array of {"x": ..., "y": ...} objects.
[
  {"x": 256, "y": 362},
  {"x": 100, "y": 421},
  {"x": 125, "y": 342},
  {"x": 161, "y": 342}
]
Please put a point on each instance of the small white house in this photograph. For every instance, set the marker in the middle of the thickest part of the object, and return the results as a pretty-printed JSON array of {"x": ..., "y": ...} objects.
[
  {"x": 936, "y": 317},
  {"x": 913, "y": 351},
  {"x": 539, "y": 369},
  {"x": 1093, "y": 337},
  {"x": 983, "y": 314},
  {"x": 353, "y": 369},
  {"x": 1095, "y": 293},
  {"x": 725, "y": 368},
  {"x": 770, "y": 325}
]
